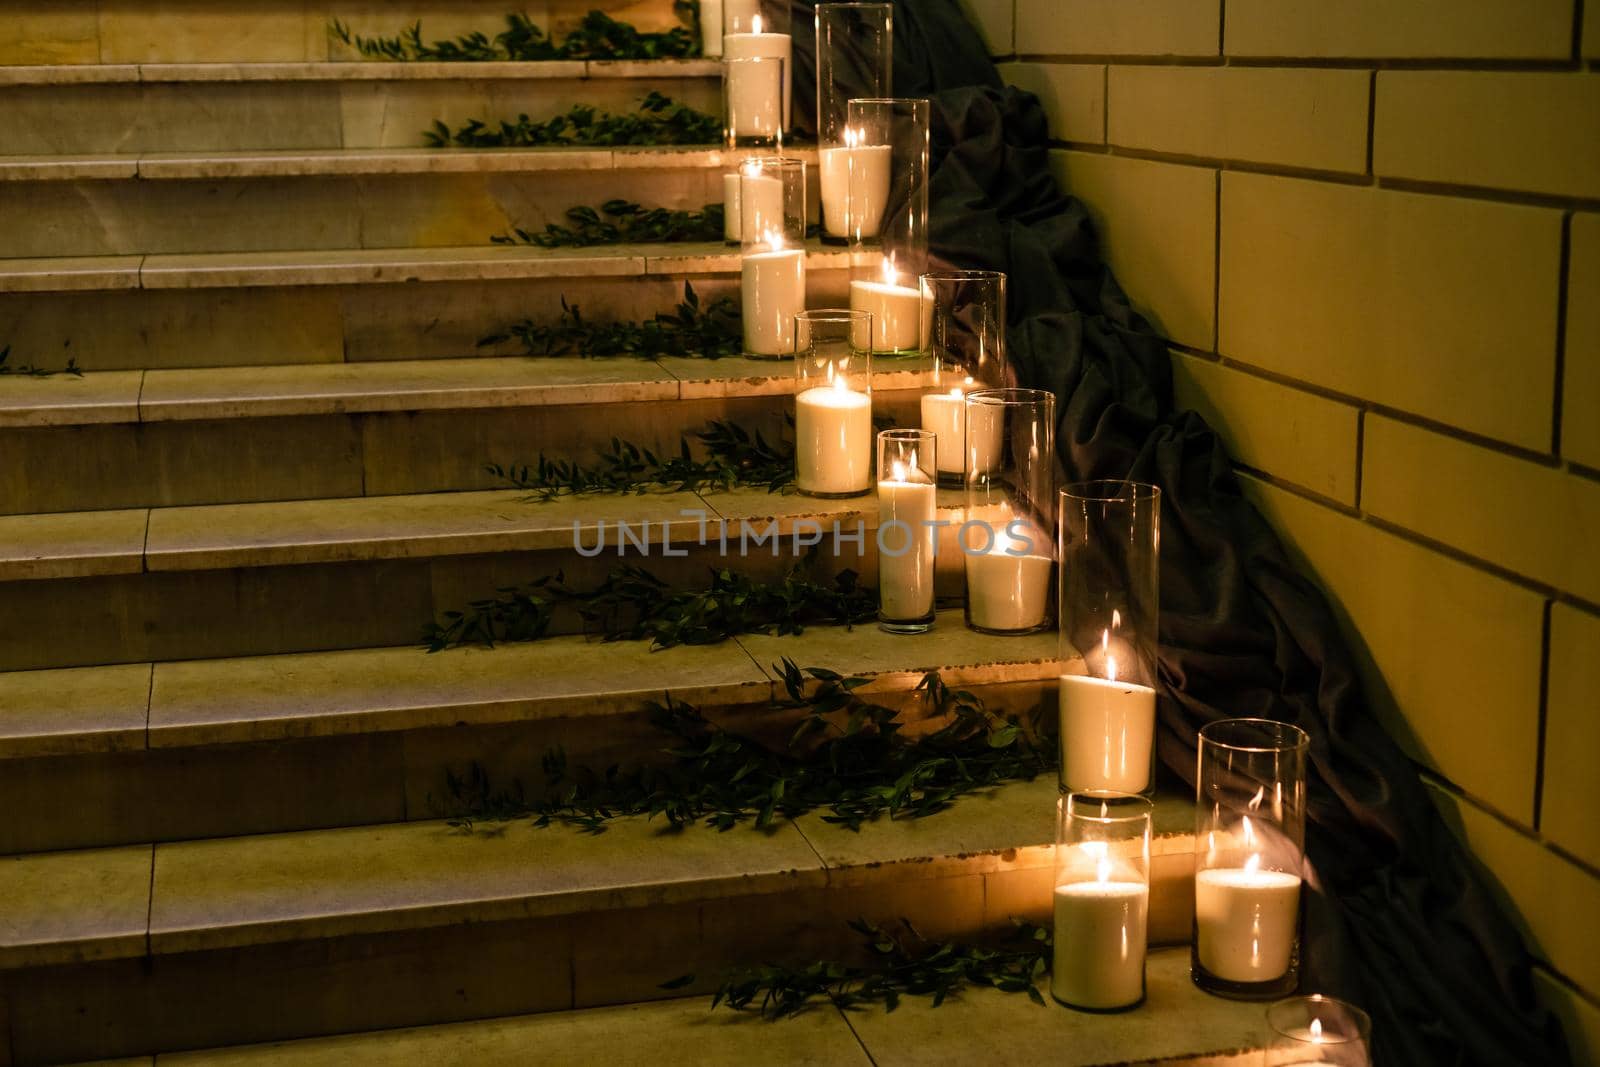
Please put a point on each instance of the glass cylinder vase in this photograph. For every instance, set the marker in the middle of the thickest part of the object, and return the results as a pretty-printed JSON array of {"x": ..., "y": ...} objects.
[
  {"x": 907, "y": 508},
  {"x": 1109, "y": 538},
  {"x": 1249, "y": 853},
  {"x": 887, "y": 219},
  {"x": 772, "y": 229},
  {"x": 855, "y": 60},
  {"x": 1008, "y": 537},
  {"x": 833, "y": 403},
  {"x": 1318, "y": 1030},
  {"x": 1102, "y": 900},
  {"x": 752, "y": 101},
  {"x": 760, "y": 29},
  {"x": 967, "y": 344}
]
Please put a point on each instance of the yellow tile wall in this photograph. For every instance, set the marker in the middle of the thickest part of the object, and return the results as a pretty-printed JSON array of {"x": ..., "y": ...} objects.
[{"x": 1371, "y": 229}]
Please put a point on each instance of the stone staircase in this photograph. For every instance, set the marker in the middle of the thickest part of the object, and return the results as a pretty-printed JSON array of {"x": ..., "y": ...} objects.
[{"x": 223, "y": 750}]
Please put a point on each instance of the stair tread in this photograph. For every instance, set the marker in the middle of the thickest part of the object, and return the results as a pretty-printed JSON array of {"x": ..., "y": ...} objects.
[
  {"x": 272, "y": 888},
  {"x": 360, "y": 70},
  {"x": 276, "y": 533},
  {"x": 74, "y": 710},
  {"x": 362, "y": 266},
  {"x": 100, "y": 397},
  {"x": 73, "y": 544},
  {"x": 74, "y": 907},
  {"x": 1178, "y": 1024},
  {"x": 324, "y": 694},
  {"x": 321, "y": 162}
]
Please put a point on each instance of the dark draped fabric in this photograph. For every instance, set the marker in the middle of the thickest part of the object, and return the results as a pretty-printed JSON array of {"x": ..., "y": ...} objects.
[{"x": 1396, "y": 919}]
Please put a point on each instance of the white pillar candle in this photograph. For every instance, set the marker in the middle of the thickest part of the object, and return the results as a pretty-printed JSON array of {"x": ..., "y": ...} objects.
[
  {"x": 730, "y": 206},
  {"x": 1245, "y": 921},
  {"x": 711, "y": 28},
  {"x": 755, "y": 96},
  {"x": 1100, "y": 936},
  {"x": 1107, "y": 728},
  {"x": 871, "y": 165},
  {"x": 765, "y": 45},
  {"x": 1007, "y": 585},
  {"x": 897, "y": 311},
  {"x": 772, "y": 292},
  {"x": 763, "y": 208},
  {"x": 905, "y": 552},
  {"x": 945, "y": 416},
  {"x": 833, "y": 439}
]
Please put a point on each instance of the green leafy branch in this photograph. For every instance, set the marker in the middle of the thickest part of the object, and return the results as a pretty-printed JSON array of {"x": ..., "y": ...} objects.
[
  {"x": 847, "y": 755},
  {"x": 732, "y": 457},
  {"x": 619, "y": 221},
  {"x": 933, "y": 969},
  {"x": 598, "y": 36},
  {"x": 634, "y": 605},
  {"x": 711, "y": 331},
  {"x": 32, "y": 371},
  {"x": 658, "y": 121}
]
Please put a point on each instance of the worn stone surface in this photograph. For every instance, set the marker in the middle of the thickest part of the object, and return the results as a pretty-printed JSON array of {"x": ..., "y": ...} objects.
[
  {"x": 80, "y": 544},
  {"x": 91, "y": 709},
  {"x": 73, "y": 907}
]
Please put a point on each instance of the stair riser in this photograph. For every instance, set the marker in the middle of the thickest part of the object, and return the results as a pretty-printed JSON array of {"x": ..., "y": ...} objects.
[
  {"x": 169, "y": 464},
  {"x": 168, "y": 328},
  {"x": 176, "y": 794},
  {"x": 153, "y": 31},
  {"x": 92, "y": 218},
  {"x": 220, "y": 116},
  {"x": 483, "y": 970}
]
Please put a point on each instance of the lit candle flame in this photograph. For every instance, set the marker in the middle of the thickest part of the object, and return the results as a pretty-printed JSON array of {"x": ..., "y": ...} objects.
[
  {"x": 755, "y": 24},
  {"x": 774, "y": 240},
  {"x": 1102, "y": 870},
  {"x": 956, "y": 392},
  {"x": 851, "y": 137},
  {"x": 1253, "y": 864},
  {"x": 1316, "y": 1031},
  {"x": 1249, "y": 833},
  {"x": 899, "y": 471},
  {"x": 1116, "y": 619},
  {"x": 889, "y": 275},
  {"x": 1255, "y": 801}
]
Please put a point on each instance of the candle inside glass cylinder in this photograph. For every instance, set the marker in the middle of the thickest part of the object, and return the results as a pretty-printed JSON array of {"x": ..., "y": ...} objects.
[
  {"x": 833, "y": 439},
  {"x": 946, "y": 415},
  {"x": 905, "y": 551},
  {"x": 711, "y": 28},
  {"x": 869, "y": 165},
  {"x": 1008, "y": 583},
  {"x": 898, "y": 311},
  {"x": 772, "y": 291},
  {"x": 1100, "y": 940},
  {"x": 1107, "y": 729},
  {"x": 763, "y": 96},
  {"x": 1246, "y": 919}
]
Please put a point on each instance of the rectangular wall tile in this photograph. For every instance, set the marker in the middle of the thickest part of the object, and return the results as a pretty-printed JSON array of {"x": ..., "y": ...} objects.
[
  {"x": 1287, "y": 432},
  {"x": 1436, "y": 305},
  {"x": 1534, "y": 132},
  {"x": 1157, "y": 222},
  {"x": 1118, "y": 28},
  {"x": 1073, "y": 94},
  {"x": 1580, "y": 1017},
  {"x": 50, "y": 31},
  {"x": 1401, "y": 29},
  {"x": 1572, "y": 734},
  {"x": 1580, "y": 393},
  {"x": 1291, "y": 117},
  {"x": 1521, "y": 515},
  {"x": 1450, "y": 655},
  {"x": 994, "y": 20},
  {"x": 1556, "y": 901}
]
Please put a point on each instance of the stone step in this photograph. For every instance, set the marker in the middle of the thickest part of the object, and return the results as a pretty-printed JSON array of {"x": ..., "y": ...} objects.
[
  {"x": 328, "y": 199},
  {"x": 98, "y": 756},
  {"x": 125, "y": 586},
  {"x": 1177, "y": 1026},
  {"x": 159, "y": 31},
  {"x": 130, "y": 439},
  {"x": 192, "y": 944},
  {"x": 346, "y": 305},
  {"x": 186, "y": 107}
]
